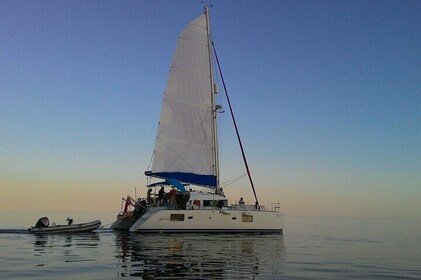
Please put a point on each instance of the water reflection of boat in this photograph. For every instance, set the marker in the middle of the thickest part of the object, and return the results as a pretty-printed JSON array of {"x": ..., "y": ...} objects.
[
  {"x": 85, "y": 239},
  {"x": 199, "y": 256},
  {"x": 69, "y": 247}
]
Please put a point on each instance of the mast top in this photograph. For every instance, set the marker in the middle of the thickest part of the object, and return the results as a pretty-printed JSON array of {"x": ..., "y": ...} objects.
[{"x": 206, "y": 5}]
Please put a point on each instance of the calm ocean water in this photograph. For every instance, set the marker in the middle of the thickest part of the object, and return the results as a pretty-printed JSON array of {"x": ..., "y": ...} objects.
[{"x": 316, "y": 248}]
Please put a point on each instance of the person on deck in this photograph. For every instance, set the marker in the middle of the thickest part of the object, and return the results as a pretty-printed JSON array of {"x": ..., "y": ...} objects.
[
  {"x": 161, "y": 197},
  {"x": 173, "y": 203},
  {"x": 196, "y": 204},
  {"x": 256, "y": 206},
  {"x": 241, "y": 201},
  {"x": 149, "y": 197}
]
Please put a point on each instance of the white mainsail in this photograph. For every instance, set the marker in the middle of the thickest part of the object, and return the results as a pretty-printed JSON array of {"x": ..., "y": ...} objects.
[{"x": 184, "y": 147}]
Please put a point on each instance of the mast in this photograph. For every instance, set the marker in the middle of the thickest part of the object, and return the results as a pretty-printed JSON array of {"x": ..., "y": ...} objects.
[{"x": 212, "y": 93}]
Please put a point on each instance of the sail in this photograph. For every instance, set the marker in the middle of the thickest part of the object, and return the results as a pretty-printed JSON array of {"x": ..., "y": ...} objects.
[{"x": 184, "y": 142}]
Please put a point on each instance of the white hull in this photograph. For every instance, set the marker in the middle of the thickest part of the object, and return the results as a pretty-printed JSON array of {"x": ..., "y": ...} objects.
[
  {"x": 123, "y": 224},
  {"x": 209, "y": 220}
]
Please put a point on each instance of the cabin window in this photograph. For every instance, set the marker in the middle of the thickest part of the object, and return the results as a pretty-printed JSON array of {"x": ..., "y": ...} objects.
[
  {"x": 190, "y": 217},
  {"x": 177, "y": 217},
  {"x": 207, "y": 203},
  {"x": 213, "y": 203},
  {"x": 234, "y": 218},
  {"x": 247, "y": 218},
  {"x": 223, "y": 203}
]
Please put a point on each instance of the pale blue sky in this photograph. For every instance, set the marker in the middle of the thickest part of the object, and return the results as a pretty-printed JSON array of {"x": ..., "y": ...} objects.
[{"x": 327, "y": 96}]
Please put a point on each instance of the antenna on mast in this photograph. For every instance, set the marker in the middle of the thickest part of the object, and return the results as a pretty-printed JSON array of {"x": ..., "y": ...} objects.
[{"x": 205, "y": 4}]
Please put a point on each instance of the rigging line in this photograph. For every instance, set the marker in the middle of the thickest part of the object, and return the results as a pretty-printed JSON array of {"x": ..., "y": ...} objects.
[
  {"x": 152, "y": 156},
  {"x": 221, "y": 134},
  {"x": 232, "y": 181},
  {"x": 235, "y": 125}
]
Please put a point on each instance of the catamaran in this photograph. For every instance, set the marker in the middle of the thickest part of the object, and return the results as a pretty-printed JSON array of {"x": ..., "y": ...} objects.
[{"x": 186, "y": 155}]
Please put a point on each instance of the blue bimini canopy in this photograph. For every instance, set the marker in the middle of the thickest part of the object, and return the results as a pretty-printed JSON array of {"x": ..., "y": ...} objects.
[
  {"x": 170, "y": 182},
  {"x": 177, "y": 184},
  {"x": 191, "y": 178}
]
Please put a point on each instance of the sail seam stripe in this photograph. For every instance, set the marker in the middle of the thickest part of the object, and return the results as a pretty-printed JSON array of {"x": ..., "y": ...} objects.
[
  {"x": 196, "y": 25},
  {"x": 181, "y": 142},
  {"x": 191, "y": 39},
  {"x": 190, "y": 70},
  {"x": 185, "y": 103}
]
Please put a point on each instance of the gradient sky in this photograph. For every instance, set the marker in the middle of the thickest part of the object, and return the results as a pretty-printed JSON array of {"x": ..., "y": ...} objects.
[{"x": 327, "y": 96}]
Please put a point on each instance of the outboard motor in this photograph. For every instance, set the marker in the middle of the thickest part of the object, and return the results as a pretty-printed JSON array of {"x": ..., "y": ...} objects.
[{"x": 42, "y": 223}]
